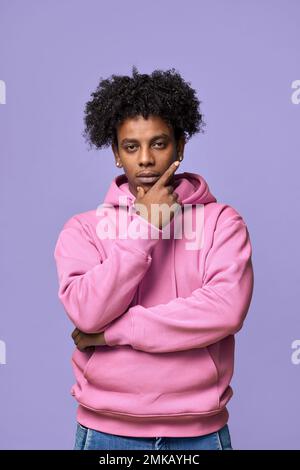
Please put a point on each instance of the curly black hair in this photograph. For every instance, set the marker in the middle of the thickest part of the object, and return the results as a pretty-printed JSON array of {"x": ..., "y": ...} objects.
[{"x": 163, "y": 93}]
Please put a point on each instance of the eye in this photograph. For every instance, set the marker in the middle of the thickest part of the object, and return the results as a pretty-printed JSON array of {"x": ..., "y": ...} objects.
[
  {"x": 160, "y": 144},
  {"x": 130, "y": 147}
]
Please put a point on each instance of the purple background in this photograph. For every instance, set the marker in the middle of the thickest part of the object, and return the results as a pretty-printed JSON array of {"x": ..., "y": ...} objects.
[{"x": 242, "y": 57}]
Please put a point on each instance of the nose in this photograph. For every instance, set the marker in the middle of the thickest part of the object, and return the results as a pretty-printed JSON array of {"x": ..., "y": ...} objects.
[{"x": 145, "y": 157}]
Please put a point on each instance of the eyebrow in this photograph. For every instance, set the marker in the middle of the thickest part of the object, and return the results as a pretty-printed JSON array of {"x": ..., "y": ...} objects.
[{"x": 159, "y": 136}]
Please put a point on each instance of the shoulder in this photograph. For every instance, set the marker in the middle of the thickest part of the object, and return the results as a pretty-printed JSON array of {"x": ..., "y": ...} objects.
[
  {"x": 77, "y": 238},
  {"x": 223, "y": 214},
  {"x": 81, "y": 219},
  {"x": 79, "y": 227}
]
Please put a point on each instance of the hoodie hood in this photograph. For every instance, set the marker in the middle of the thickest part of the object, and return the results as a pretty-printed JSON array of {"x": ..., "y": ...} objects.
[{"x": 190, "y": 187}]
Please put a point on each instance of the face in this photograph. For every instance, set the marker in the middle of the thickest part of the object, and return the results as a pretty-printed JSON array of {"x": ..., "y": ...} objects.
[{"x": 145, "y": 146}]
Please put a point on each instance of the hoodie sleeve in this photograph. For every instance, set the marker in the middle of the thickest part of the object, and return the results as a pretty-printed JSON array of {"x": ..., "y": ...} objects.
[
  {"x": 210, "y": 313},
  {"x": 94, "y": 291}
]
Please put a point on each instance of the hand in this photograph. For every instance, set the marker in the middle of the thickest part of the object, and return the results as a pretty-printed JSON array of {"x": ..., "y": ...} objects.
[
  {"x": 87, "y": 340},
  {"x": 159, "y": 193}
]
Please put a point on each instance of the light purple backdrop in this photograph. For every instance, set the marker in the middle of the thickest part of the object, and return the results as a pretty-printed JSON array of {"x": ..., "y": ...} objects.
[{"x": 242, "y": 57}]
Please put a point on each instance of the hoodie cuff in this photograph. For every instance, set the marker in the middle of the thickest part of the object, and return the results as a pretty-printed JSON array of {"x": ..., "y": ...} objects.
[{"x": 120, "y": 331}]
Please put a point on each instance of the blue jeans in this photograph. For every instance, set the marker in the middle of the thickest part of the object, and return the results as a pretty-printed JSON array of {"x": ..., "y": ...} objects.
[{"x": 89, "y": 439}]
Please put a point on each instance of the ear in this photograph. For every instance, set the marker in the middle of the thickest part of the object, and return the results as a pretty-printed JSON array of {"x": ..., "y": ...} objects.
[
  {"x": 180, "y": 145},
  {"x": 115, "y": 152}
]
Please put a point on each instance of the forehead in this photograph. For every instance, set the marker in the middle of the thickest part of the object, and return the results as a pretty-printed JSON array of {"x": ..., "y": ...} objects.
[{"x": 140, "y": 128}]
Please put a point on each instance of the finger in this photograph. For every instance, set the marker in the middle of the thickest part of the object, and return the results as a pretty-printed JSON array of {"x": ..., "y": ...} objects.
[
  {"x": 79, "y": 337},
  {"x": 75, "y": 333},
  {"x": 81, "y": 344},
  {"x": 162, "y": 181},
  {"x": 170, "y": 189},
  {"x": 140, "y": 191},
  {"x": 84, "y": 346},
  {"x": 176, "y": 204}
]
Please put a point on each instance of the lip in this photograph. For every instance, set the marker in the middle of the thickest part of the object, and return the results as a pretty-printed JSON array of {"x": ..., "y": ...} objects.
[
  {"x": 148, "y": 179},
  {"x": 147, "y": 173}
]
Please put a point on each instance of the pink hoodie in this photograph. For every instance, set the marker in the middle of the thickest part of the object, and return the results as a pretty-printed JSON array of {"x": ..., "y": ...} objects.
[{"x": 169, "y": 314}]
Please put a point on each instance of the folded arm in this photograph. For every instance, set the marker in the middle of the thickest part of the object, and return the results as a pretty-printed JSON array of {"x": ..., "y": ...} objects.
[
  {"x": 94, "y": 291},
  {"x": 209, "y": 314}
]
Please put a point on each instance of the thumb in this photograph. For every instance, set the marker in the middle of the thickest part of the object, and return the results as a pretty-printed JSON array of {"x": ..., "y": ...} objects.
[{"x": 140, "y": 191}]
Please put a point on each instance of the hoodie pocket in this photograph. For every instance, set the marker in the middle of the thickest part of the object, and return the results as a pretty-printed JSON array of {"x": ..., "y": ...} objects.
[{"x": 126, "y": 381}]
